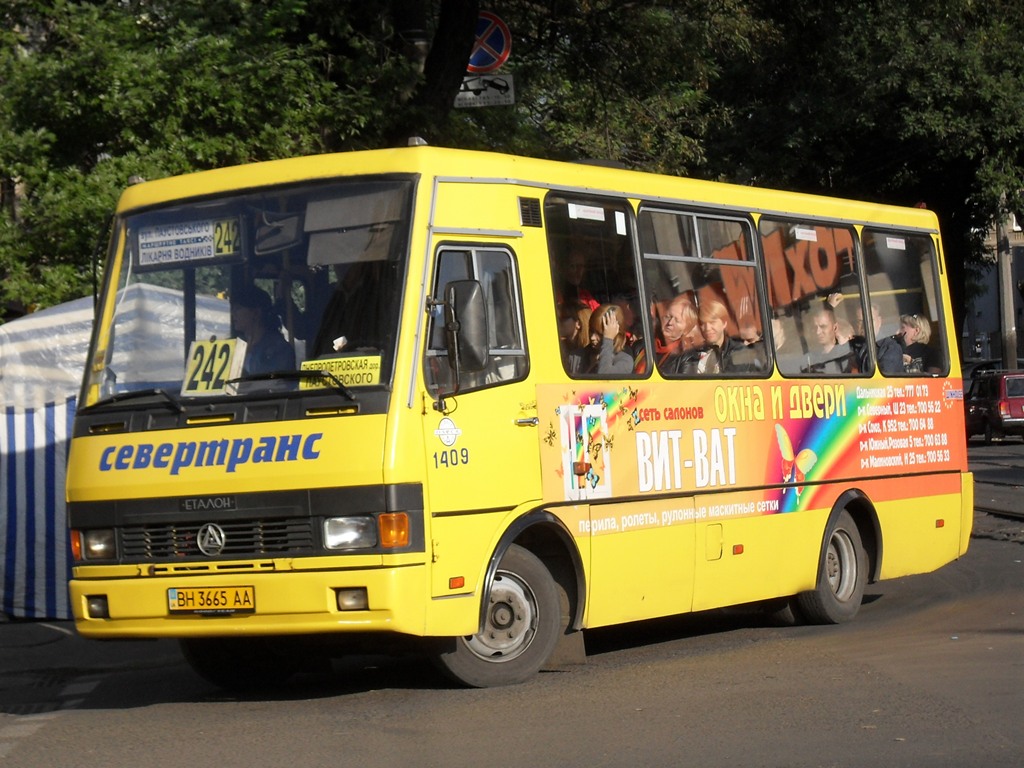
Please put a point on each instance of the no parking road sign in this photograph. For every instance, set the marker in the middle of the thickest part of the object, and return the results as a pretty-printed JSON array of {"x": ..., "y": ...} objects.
[{"x": 492, "y": 46}]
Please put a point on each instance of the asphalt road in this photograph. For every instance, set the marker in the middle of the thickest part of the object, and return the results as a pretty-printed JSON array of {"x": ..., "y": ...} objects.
[
  {"x": 931, "y": 674},
  {"x": 998, "y": 476}
]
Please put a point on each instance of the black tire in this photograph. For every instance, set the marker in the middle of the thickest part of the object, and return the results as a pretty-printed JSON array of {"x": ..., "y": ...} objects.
[
  {"x": 238, "y": 664},
  {"x": 521, "y": 627},
  {"x": 988, "y": 433},
  {"x": 842, "y": 575}
]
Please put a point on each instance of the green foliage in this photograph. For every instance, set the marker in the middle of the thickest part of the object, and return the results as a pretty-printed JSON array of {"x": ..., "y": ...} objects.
[
  {"x": 918, "y": 101},
  {"x": 910, "y": 101},
  {"x": 94, "y": 93},
  {"x": 623, "y": 82}
]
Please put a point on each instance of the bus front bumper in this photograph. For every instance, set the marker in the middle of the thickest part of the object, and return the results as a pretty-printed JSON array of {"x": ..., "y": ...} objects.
[{"x": 292, "y": 603}]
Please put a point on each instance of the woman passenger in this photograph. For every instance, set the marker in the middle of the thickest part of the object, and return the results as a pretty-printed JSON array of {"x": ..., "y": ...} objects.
[
  {"x": 581, "y": 356},
  {"x": 608, "y": 321},
  {"x": 915, "y": 332}
]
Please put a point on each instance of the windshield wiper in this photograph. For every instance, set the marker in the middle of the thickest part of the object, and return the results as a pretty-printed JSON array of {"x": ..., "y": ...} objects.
[
  {"x": 166, "y": 398},
  {"x": 333, "y": 380}
]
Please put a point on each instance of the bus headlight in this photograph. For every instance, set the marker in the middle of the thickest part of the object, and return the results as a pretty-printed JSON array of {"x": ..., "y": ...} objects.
[
  {"x": 98, "y": 544},
  {"x": 350, "y": 532}
]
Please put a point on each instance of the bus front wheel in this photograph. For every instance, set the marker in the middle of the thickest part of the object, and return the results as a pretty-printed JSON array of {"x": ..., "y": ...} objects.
[
  {"x": 520, "y": 629},
  {"x": 841, "y": 578}
]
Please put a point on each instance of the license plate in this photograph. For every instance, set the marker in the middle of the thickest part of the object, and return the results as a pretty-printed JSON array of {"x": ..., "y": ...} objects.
[{"x": 212, "y": 600}]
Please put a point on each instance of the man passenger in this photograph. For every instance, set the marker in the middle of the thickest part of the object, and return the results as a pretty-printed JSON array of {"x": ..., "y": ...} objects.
[{"x": 830, "y": 356}]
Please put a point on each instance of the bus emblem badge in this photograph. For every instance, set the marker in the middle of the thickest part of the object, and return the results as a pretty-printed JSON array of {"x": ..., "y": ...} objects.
[
  {"x": 210, "y": 539},
  {"x": 447, "y": 432}
]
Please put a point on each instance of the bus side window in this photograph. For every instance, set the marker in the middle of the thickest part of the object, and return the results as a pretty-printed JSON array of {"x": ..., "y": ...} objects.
[
  {"x": 495, "y": 270},
  {"x": 594, "y": 281},
  {"x": 902, "y": 274},
  {"x": 815, "y": 298},
  {"x": 702, "y": 286}
]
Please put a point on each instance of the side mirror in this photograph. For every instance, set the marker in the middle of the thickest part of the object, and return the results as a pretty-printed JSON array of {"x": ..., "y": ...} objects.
[{"x": 465, "y": 324}]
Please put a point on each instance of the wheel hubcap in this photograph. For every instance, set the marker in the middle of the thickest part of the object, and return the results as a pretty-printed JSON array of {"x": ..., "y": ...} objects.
[
  {"x": 841, "y": 565},
  {"x": 510, "y": 623}
]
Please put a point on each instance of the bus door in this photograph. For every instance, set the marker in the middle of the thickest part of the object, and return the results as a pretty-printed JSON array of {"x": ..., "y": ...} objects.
[{"x": 481, "y": 446}]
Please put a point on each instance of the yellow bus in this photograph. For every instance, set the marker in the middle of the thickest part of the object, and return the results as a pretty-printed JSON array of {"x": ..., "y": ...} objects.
[{"x": 485, "y": 402}]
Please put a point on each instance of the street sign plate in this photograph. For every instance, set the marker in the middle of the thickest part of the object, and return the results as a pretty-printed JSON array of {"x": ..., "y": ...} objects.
[
  {"x": 492, "y": 46},
  {"x": 486, "y": 91}
]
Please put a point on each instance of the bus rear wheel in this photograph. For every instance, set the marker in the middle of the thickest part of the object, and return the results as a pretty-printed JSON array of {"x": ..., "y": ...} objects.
[
  {"x": 521, "y": 626},
  {"x": 841, "y": 578}
]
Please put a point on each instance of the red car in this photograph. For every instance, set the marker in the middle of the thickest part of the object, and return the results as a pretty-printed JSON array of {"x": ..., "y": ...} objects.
[{"x": 995, "y": 405}]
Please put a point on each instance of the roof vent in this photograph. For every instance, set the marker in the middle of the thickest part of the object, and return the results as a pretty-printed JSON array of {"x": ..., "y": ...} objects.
[{"x": 529, "y": 212}]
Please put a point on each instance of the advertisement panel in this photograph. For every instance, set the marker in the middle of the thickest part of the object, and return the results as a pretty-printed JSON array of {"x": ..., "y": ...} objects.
[{"x": 711, "y": 436}]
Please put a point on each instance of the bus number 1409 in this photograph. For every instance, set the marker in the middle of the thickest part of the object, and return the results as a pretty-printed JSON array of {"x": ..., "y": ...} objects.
[{"x": 453, "y": 457}]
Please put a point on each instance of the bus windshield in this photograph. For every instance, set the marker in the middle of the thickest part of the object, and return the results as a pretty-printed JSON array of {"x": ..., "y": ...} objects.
[{"x": 280, "y": 290}]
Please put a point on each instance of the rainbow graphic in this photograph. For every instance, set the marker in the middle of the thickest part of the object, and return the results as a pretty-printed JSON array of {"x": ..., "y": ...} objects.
[{"x": 781, "y": 442}]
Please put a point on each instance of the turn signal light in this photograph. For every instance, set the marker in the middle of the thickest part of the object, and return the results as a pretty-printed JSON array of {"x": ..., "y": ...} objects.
[{"x": 394, "y": 530}]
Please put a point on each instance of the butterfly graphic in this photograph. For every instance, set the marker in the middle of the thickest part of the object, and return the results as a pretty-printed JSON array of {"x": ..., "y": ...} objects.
[{"x": 794, "y": 468}]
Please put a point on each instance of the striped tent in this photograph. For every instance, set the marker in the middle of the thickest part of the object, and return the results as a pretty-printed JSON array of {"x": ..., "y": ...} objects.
[
  {"x": 42, "y": 357},
  {"x": 33, "y": 531}
]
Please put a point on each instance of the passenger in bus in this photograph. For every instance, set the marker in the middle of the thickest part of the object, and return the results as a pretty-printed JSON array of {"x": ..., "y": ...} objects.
[
  {"x": 829, "y": 356},
  {"x": 568, "y": 326},
  {"x": 844, "y": 328},
  {"x": 918, "y": 357},
  {"x": 750, "y": 334},
  {"x": 613, "y": 357},
  {"x": 580, "y": 351},
  {"x": 844, "y": 331},
  {"x": 734, "y": 355},
  {"x": 678, "y": 327},
  {"x": 749, "y": 354},
  {"x": 788, "y": 357},
  {"x": 254, "y": 320},
  {"x": 292, "y": 277},
  {"x": 572, "y": 290},
  {"x": 887, "y": 348},
  {"x": 634, "y": 331},
  {"x": 714, "y": 355}
]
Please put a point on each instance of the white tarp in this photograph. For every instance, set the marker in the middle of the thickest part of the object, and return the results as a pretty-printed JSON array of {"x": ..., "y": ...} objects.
[
  {"x": 42, "y": 355},
  {"x": 42, "y": 359}
]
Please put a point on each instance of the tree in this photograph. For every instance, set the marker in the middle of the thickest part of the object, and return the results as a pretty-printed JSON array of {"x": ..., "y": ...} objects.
[
  {"x": 905, "y": 102},
  {"x": 617, "y": 81},
  {"x": 93, "y": 93}
]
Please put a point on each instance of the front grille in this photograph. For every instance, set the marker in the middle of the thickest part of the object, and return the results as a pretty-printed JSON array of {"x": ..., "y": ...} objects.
[{"x": 242, "y": 538}]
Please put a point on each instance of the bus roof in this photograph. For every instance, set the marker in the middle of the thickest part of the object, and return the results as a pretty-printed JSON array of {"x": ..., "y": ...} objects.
[{"x": 460, "y": 164}]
